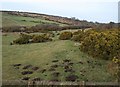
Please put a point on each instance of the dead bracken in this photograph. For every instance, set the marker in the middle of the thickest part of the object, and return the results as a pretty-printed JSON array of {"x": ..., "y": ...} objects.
[
  {"x": 17, "y": 65},
  {"x": 66, "y": 60},
  {"x": 27, "y": 66},
  {"x": 80, "y": 62},
  {"x": 55, "y": 74},
  {"x": 35, "y": 68},
  {"x": 55, "y": 61},
  {"x": 26, "y": 72},
  {"x": 71, "y": 78},
  {"x": 54, "y": 66}
]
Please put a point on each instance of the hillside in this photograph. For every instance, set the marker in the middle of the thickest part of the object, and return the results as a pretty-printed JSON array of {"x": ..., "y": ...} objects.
[
  {"x": 18, "y": 20},
  {"x": 29, "y": 19},
  {"x": 39, "y": 47}
]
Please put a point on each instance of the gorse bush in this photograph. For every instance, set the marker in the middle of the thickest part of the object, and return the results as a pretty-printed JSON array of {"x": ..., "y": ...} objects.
[
  {"x": 41, "y": 38},
  {"x": 78, "y": 36},
  {"x": 102, "y": 44},
  {"x": 65, "y": 36},
  {"x": 25, "y": 39}
]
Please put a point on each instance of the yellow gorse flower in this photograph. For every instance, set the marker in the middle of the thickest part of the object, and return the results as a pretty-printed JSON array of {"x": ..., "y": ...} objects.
[{"x": 115, "y": 60}]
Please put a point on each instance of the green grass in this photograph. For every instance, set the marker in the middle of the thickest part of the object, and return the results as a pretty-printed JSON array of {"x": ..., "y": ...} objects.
[
  {"x": 39, "y": 54},
  {"x": 14, "y": 20}
]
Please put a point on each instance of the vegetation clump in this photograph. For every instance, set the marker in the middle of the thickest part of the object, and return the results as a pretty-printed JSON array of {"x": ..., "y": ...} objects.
[
  {"x": 40, "y": 38},
  {"x": 78, "y": 36},
  {"x": 25, "y": 39},
  {"x": 66, "y": 35},
  {"x": 103, "y": 44}
]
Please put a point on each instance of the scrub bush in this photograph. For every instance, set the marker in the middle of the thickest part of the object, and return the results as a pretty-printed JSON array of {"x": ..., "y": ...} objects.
[{"x": 65, "y": 36}]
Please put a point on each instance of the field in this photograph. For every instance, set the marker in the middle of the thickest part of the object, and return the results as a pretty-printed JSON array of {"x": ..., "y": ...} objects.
[{"x": 52, "y": 60}]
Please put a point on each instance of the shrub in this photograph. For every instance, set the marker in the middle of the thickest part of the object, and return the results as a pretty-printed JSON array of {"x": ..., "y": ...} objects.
[
  {"x": 38, "y": 38},
  {"x": 65, "y": 36},
  {"x": 103, "y": 44},
  {"x": 41, "y": 38},
  {"x": 78, "y": 36},
  {"x": 23, "y": 39}
]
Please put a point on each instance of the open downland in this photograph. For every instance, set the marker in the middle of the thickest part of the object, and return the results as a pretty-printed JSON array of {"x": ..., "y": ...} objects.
[{"x": 49, "y": 58}]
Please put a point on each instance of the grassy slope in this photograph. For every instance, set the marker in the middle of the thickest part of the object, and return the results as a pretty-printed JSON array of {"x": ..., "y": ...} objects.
[
  {"x": 41, "y": 53},
  {"x": 13, "y": 20}
]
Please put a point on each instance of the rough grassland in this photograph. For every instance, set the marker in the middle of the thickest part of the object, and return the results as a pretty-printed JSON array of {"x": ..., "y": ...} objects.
[
  {"x": 13, "y": 20},
  {"x": 42, "y": 54}
]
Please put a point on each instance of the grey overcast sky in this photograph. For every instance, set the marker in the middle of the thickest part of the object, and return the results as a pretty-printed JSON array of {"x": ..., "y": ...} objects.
[{"x": 91, "y": 10}]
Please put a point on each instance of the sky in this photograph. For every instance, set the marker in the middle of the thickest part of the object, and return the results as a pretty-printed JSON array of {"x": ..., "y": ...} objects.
[{"x": 102, "y": 11}]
